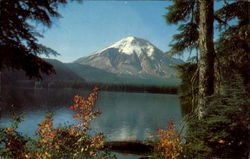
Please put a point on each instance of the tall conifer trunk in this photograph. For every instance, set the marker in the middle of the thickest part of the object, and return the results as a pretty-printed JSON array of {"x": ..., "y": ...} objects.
[{"x": 206, "y": 61}]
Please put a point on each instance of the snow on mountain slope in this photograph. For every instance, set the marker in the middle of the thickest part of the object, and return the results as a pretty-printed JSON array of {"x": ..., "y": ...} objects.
[
  {"x": 132, "y": 45},
  {"x": 133, "y": 56}
]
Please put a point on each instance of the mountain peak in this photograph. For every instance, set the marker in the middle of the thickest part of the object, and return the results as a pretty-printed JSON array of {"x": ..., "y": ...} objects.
[
  {"x": 133, "y": 57},
  {"x": 129, "y": 38},
  {"x": 131, "y": 45}
]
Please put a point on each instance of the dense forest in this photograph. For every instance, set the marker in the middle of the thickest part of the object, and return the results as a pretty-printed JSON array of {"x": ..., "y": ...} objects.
[
  {"x": 214, "y": 91},
  {"x": 215, "y": 83}
]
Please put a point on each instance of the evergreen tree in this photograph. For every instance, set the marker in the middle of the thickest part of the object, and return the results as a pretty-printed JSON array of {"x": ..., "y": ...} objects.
[
  {"x": 223, "y": 132},
  {"x": 186, "y": 13},
  {"x": 19, "y": 47},
  {"x": 196, "y": 32},
  {"x": 233, "y": 45},
  {"x": 188, "y": 90},
  {"x": 206, "y": 48}
]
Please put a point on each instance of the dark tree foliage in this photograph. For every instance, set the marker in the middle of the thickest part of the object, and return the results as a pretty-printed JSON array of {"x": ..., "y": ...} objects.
[
  {"x": 188, "y": 90},
  {"x": 233, "y": 46},
  {"x": 224, "y": 131},
  {"x": 186, "y": 13},
  {"x": 19, "y": 47}
]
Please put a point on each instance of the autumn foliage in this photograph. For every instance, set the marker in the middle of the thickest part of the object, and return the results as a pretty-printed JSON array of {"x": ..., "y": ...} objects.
[
  {"x": 169, "y": 144},
  {"x": 68, "y": 142}
]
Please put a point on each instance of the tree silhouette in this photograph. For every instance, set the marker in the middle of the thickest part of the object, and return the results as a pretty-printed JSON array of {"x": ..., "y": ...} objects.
[
  {"x": 196, "y": 31},
  {"x": 19, "y": 47}
]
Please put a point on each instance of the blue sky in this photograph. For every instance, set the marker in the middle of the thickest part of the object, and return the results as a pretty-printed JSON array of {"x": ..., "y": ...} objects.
[{"x": 93, "y": 25}]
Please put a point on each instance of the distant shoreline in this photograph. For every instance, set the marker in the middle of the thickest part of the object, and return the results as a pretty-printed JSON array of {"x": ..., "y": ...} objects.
[{"x": 137, "y": 88}]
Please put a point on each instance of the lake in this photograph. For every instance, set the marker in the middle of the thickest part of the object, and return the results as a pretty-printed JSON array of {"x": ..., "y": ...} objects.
[{"x": 125, "y": 116}]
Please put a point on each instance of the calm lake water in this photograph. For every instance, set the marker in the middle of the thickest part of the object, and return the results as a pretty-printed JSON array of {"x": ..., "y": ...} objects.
[{"x": 125, "y": 116}]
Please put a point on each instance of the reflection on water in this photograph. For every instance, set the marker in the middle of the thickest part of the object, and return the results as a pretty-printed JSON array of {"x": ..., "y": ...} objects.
[
  {"x": 125, "y": 116},
  {"x": 126, "y": 156},
  {"x": 130, "y": 115}
]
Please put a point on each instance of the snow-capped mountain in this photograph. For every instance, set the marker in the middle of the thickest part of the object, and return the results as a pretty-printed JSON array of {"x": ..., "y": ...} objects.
[
  {"x": 133, "y": 57},
  {"x": 132, "y": 45}
]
